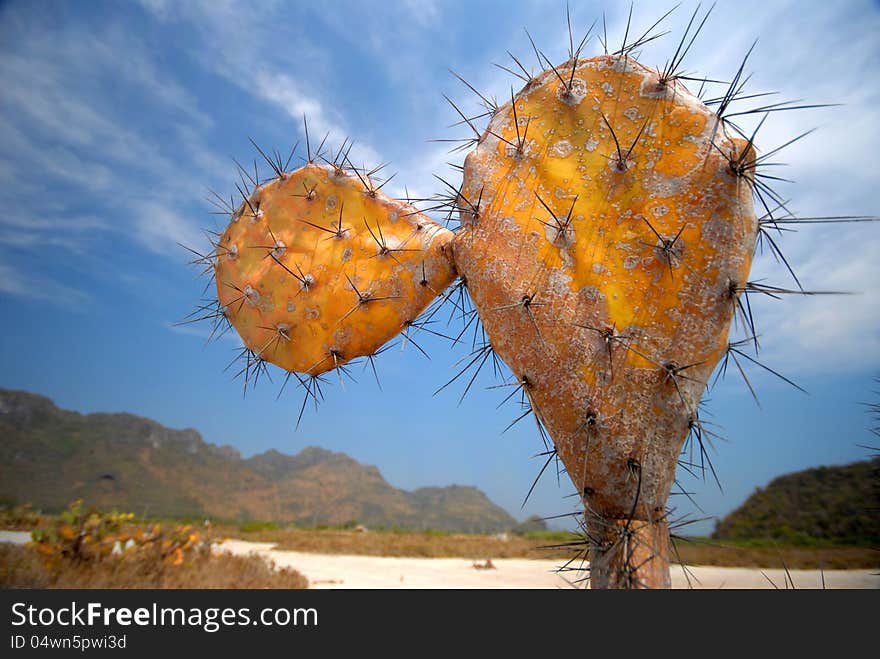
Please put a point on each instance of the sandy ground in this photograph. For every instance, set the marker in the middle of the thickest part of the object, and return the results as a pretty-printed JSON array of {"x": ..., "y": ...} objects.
[
  {"x": 336, "y": 571},
  {"x": 339, "y": 571},
  {"x": 15, "y": 537}
]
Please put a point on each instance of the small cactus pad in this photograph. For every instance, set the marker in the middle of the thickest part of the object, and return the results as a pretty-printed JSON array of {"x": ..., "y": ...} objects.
[
  {"x": 318, "y": 267},
  {"x": 605, "y": 254}
]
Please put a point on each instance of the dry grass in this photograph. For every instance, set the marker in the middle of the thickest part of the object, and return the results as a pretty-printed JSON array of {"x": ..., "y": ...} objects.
[
  {"x": 24, "y": 567},
  {"x": 547, "y": 545},
  {"x": 727, "y": 554},
  {"x": 398, "y": 544},
  {"x": 21, "y": 518}
]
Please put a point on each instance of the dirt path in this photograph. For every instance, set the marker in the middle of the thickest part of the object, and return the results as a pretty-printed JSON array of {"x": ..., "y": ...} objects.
[{"x": 339, "y": 571}]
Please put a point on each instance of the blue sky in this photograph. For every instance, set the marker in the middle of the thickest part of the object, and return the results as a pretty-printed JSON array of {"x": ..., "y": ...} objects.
[{"x": 117, "y": 117}]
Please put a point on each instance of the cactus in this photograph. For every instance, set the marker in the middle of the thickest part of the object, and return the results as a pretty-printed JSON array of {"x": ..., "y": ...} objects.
[
  {"x": 607, "y": 229},
  {"x": 617, "y": 235},
  {"x": 318, "y": 267}
]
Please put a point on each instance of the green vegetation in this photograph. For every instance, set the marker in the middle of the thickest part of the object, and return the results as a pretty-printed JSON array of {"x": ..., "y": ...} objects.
[
  {"x": 50, "y": 457},
  {"x": 814, "y": 507},
  {"x": 534, "y": 524}
]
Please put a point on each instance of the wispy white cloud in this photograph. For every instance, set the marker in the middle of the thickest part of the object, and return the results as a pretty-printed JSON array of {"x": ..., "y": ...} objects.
[
  {"x": 423, "y": 12},
  {"x": 286, "y": 93},
  {"x": 31, "y": 286},
  {"x": 203, "y": 332},
  {"x": 159, "y": 227},
  {"x": 78, "y": 129},
  {"x": 826, "y": 333}
]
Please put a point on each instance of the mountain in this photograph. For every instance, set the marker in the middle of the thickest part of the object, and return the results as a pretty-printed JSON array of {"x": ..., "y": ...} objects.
[
  {"x": 840, "y": 504},
  {"x": 50, "y": 456}
]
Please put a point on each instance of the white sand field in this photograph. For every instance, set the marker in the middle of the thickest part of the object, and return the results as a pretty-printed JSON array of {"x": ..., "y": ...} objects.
[{"x": 339, "y": 571}]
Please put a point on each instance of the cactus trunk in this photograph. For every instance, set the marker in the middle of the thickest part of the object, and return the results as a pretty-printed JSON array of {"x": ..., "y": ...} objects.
[{"x": 629, "y": 554}]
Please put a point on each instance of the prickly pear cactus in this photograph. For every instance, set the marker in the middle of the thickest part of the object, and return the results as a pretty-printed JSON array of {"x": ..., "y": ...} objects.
[
  {"x": 610, "y": 234},
  {"x": 318, "y": 267},
  {"x": 607, "y": 228}
]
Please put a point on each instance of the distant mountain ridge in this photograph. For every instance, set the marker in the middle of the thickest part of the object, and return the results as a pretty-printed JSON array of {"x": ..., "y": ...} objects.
[{"x": 50, "y": 456}]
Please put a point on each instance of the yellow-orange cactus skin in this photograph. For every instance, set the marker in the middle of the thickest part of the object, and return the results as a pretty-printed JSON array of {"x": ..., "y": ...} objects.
[
  {"x": 614, "y": 309},
  {"x": 318, "y": 268}
]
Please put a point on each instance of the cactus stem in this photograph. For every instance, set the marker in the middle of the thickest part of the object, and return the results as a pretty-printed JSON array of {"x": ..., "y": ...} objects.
[
  {"x": 623, "y": 160},
  {"x": 672, "y": 373},
  {"x": 370, "y": 189},
  {"x": 630, "y": 554}
]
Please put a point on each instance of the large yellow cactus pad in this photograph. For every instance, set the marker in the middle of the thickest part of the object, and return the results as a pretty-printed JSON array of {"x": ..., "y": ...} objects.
[
  {"x": 318, "y": 267},
  {"x": 604, "y": 257}
]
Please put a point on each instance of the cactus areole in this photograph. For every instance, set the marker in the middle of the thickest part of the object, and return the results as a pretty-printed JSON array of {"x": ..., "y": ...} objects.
[{"x": 606, "y": 233}]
